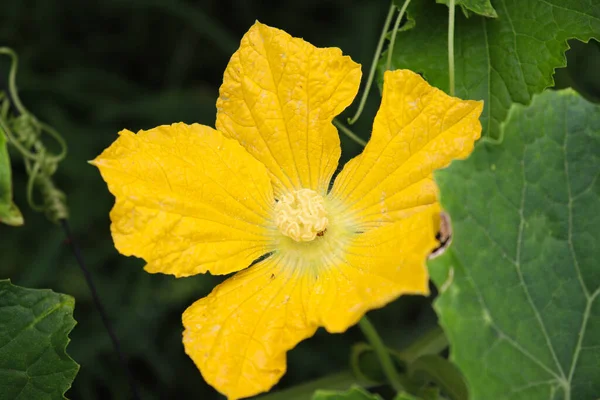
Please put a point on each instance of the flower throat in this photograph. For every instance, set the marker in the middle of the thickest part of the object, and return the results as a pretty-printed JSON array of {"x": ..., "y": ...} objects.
[{"x": 301, "y": 215}]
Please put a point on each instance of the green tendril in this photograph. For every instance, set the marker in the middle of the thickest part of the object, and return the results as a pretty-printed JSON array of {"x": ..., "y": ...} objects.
[
  {"x": 390, "y": 51},
  {"x": 363, "y": 99},
  {"x": 24, "y": 132},
  {"x": 346, "y": 131}
]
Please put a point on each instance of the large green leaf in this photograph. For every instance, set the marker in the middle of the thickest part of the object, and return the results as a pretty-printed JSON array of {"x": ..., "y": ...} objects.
[
  {"x": 501, "y": 60},
  {"x": 9, "y": 213},
  {"x": 34, "y": 325},
  {"x": 519, "y": 286}
]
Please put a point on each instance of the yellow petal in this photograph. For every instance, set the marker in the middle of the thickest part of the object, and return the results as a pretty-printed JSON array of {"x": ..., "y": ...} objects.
[
  {"x": 278, "y": 98},
  {"x": 238, "y": 336},
  {"x": 188, "y": 200},
  {"x": 418, "y": 129},
  {"x": 375, "y": 268}
]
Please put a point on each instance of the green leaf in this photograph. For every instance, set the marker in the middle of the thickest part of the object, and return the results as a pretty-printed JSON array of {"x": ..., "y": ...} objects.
[
  {"x": 354, "y": 393},
  {"x": 9, "y": 213},
  {"x": 481, "y": 7},
  {"x": 432, "y": 368},
  {"x": 502, "y": 60},
  {"x": 520, "y": 285},
  {"x": 34, "y": 325}
]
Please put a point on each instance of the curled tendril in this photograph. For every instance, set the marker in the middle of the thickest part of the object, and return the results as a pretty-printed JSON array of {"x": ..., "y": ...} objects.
[{"x": 25, "y": 132}]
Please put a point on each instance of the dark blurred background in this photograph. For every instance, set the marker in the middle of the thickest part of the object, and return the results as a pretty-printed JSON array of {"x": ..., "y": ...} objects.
[{"x": 92, "y": 68}]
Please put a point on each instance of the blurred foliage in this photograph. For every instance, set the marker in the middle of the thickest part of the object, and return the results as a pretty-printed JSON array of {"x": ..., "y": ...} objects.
[
  {"x": 355, "y": 393},
  {"x": 93, "y": 68}
]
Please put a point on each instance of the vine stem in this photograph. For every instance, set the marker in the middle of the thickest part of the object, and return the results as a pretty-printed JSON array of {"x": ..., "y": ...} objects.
[
  {"x": 107, "y": 324},
  {"x": 363, "y": 99},
  {"x": 346, "y": 131},
  {"x": 452, "y": 8},
  {"x": 390, "y": 50},
  {"x": 382, "y": 354}
]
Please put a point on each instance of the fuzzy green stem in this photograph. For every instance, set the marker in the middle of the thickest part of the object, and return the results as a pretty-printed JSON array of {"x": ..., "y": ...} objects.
[
  {"x": 390, "y": 50},
  {"x": 363, "y": 99},
  {"x": 346, "y": 131},
  {"x": 382, "y": 354},
  {"x": 452, "y": 8}
]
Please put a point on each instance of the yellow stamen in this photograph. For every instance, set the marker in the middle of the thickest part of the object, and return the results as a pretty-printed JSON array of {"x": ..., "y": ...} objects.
[{"x": 301, "y": 215}]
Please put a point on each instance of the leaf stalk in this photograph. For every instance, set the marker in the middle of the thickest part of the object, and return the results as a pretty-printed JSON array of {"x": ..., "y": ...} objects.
[
  {"x": 387, "y": 365},
  {"x": 390, "y": 51},
  {"x": 451, "y": 17},
  {"x": 384, "y": 31}
]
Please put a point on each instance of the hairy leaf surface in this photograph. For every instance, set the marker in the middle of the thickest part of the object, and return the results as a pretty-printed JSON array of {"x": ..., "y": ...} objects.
[
  {"x": 520, "y": 285},
  {"x": 34, "y": 328}
]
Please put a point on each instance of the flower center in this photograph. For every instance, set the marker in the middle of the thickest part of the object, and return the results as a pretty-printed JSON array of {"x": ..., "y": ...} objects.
[{"x": 301, "y": 215}]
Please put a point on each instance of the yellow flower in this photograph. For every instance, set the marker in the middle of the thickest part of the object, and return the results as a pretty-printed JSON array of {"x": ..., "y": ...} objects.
[{"x": 191, "y": 199}]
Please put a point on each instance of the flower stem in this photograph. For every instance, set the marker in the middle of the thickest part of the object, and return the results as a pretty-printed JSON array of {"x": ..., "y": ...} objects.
[
  {"x": 382, "y": 354},
  {"x": 346, "y": 131},
  {"x": 451, "y": 7},
  {"x": 390, "y": 50},
  {"x": 363, "y": 99}
]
